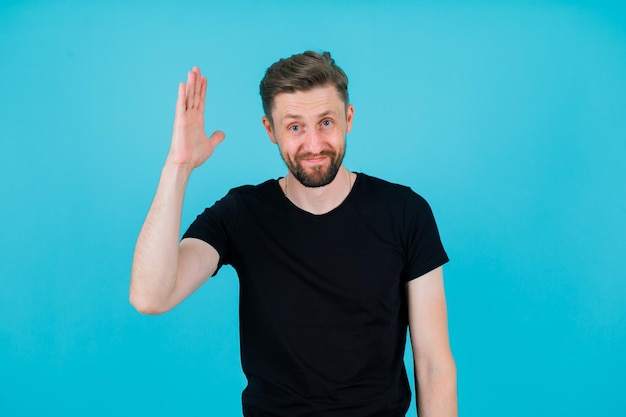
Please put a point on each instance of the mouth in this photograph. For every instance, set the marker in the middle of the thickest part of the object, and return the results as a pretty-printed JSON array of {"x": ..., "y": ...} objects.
[{"x": 315, "y": 159}]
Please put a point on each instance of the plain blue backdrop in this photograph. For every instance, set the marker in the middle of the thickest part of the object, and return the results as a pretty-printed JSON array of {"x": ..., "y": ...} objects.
[{"x": 508, "y": 117}]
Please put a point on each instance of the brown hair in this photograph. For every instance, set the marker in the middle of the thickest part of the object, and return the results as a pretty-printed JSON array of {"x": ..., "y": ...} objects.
[{"x": 301, "y": 72}]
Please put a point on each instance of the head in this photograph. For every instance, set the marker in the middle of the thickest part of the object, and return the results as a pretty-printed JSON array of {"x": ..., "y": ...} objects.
[
  {"x": 307, "y": 114},
  {"x": 301, "y": 72}
]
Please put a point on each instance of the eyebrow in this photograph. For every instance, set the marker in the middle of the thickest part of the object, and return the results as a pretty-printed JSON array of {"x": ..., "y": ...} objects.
[{"x": 298, "y": 117}]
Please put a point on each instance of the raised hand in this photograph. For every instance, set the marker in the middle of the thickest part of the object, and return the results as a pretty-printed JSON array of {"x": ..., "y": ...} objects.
[{"x": 190, "y": 145}]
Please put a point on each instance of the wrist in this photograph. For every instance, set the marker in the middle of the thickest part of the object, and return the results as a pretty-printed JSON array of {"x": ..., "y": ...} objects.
[
  {"x": 176, "y": 171},
  {"x": 171, "y": 166}
]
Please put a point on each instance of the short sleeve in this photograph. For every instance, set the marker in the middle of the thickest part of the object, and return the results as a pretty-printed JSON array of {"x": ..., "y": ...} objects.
[
  {"x": 216, "y": 226},
  {"x": 424, "y": 250}
]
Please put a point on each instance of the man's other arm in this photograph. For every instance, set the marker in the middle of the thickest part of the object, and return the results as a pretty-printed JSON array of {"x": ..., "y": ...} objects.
[
  {"x": 435, "y": 371},
  {"x": 164, "y": 271}
]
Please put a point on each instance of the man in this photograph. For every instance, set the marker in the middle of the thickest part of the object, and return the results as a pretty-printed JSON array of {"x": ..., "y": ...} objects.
[{"x": 333, "y": 265}]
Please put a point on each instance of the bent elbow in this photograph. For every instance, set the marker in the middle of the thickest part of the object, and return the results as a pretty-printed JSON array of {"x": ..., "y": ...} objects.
[
  {"x": 149, "y": 310},
  {"x": 145, "y": 306}
]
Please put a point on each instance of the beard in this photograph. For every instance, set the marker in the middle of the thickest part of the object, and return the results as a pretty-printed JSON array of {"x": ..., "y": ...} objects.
[{"x": 319, "y": 175}]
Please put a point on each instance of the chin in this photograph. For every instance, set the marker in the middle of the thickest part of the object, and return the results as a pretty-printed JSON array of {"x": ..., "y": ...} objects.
[{"x": 315, "y": 178}]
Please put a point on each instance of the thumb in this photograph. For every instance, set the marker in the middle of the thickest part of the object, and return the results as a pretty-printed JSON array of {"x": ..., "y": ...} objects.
[{"x": 217, "y": 137}]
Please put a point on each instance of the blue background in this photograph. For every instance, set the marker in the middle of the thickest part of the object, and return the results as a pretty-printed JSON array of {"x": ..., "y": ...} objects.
[{"x": 509, "y": 117}]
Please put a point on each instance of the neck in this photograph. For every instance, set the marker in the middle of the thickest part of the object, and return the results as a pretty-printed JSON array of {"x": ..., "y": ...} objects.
[{"x": 319, "y": 200}]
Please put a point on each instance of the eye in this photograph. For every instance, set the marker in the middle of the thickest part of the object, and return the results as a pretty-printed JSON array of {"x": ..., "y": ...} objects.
[
  {"x": 294, "y": 128},
  {"x": 327, "y": 122}
]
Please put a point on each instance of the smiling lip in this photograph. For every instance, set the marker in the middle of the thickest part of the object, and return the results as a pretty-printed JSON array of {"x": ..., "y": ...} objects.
[{"x": 316, "y": 160}]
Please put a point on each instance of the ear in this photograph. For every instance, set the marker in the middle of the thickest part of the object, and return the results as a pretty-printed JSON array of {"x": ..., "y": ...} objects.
[
  {"x": 268, "y": 128},
  {"x": 349, "y": 115}
]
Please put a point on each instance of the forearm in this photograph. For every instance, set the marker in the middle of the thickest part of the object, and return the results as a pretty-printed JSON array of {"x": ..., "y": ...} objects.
[
  {"x": 436, "y": 390},
  {"x": 155, "y": 262}
]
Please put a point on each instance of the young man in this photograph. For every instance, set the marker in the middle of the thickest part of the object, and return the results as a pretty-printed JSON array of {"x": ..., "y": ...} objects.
[{"x": 333, "y": 265}]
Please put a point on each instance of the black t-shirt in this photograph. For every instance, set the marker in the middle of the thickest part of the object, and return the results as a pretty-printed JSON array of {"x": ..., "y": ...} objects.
[{"x": 323, "y": 315}]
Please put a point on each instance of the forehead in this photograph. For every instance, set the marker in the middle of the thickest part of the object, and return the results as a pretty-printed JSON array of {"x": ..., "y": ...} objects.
[{"x": 315, "y": 101}]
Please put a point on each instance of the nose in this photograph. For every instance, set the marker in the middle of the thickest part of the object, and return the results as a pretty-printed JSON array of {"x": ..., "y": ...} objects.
[{"x": 313, "y": 141}]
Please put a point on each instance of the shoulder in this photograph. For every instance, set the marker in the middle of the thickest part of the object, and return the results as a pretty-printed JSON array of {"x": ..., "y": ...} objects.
[
  {"x": 237, "y": 202},
  {"x": 251, "y": 191},
  {"x": 379, "y": 185},
  {"x": 252, "y": 200},
  {"x": 389, "y": 192}
]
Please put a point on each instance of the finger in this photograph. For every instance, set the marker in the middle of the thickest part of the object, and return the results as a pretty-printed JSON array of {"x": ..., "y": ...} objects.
[
  {"x": 191, "y": 85},
  {"x": 198, "y": 87},
  {"x": 203, "y": 85},
  {"x": 217, "y": 137},
  {"x": 180, "y": 101}
]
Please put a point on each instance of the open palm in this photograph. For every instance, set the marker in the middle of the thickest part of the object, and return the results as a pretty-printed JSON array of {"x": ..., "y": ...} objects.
[{"x": 190, "y": 145}]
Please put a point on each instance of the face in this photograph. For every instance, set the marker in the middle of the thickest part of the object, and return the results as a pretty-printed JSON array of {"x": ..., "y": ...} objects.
[{"x": 310, "y": 129}]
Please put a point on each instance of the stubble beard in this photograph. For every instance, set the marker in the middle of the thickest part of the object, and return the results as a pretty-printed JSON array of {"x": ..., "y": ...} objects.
[{"x": 319, "y": 175}]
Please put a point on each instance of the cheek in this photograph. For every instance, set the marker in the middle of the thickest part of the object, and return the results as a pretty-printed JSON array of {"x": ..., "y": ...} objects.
[
  {"x": 336, "y": 136},
  {"x": 286, "y": 152}
]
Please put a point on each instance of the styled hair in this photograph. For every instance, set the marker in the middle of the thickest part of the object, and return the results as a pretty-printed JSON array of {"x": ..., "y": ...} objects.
[{"x": 301, "y": 72}]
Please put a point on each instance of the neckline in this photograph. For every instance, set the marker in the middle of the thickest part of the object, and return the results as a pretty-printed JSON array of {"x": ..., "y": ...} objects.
[{"x": 288, "y": 203}]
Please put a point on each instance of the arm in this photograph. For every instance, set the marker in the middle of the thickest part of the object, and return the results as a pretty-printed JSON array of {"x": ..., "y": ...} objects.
[
  {"x": 435, "y": 371},
  {"x": 165, "y": 272}
]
